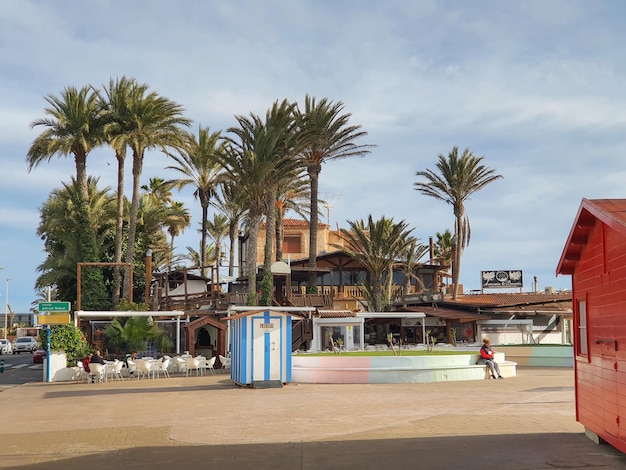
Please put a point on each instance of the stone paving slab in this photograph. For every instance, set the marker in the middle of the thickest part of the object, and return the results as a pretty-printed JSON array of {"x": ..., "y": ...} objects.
[{"x": 523, "y": 422}]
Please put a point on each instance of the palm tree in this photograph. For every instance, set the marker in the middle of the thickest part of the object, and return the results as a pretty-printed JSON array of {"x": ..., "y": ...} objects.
[
  {"x": 146, "y": 121},
  {"x": 200, "y": 169},
  {"x": 458, "y": 179},
  {"x": 377, "y": 246},
  {"x": 193, "y": 256},
  {"x": 73, "y": 127},
  {"x": 255, "y": 160},
  {"x": 134, "y": 333},
  {"x": 177, "y": 221},
  {"x": 323, "y": 135},
  {"x": 218, "y": 229},
  {"x": 118, "y": 94},
  {"x": 278, "y": 118},
  {"x": 231, "y": 204},
  {"x": 410, "y": 260},
  {"x": 72, "y": 230}
]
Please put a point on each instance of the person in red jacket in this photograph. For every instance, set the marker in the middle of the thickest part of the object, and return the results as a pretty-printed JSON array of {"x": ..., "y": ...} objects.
[{"x": 486, "y": 354}]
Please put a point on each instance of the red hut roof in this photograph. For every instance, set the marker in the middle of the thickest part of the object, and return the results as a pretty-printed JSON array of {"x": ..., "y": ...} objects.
[{"x": 611, "y": 212}]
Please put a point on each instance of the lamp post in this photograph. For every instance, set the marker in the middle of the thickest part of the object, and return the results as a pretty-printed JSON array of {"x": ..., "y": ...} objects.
[
  {"x": 6, "y": 310},
  {"x": 148, "y": 274}
]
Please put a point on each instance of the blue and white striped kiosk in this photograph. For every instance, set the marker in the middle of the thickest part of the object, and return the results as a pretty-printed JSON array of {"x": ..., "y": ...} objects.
[{"x": 260, "y": 344}]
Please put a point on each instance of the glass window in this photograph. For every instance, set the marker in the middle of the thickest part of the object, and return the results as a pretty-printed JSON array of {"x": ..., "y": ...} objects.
[{"x": 582, "y": 328}]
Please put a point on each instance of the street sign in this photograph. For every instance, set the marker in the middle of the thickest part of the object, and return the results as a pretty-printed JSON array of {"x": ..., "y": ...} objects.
[
  {"x": 53, "y": 319},
  {"x": 54, "y": 306}
]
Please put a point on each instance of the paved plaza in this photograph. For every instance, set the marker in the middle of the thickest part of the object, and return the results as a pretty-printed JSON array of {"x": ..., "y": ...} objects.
[{"x": 524, "y": 422}]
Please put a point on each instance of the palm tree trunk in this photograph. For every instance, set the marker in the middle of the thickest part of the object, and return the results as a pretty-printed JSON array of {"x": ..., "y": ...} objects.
[
  {"x": 119, "y": 229},
  {"x": 132, "y": 228},
  {"x": 232, "y": 234},
  {"x": 314, "y": 178},
  {"x": 457, "y": 248},
  {"x": 205, "y": 218},
  {"x": 81, "y": 174},
  {"x": 280, "y": 233},
  {"x": 254, "y": 222},
  {"x": 270, "y": 229}
]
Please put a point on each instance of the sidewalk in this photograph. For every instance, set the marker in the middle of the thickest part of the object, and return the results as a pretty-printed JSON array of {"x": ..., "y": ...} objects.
[{"x": 524, "y": 422}]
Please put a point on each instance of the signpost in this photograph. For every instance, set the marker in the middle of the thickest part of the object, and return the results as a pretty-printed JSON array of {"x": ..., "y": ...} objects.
[
  {"x": 54, "y": 306},
  {"x": 52, "y": 313},
  {"x": 54, "y": 318}
]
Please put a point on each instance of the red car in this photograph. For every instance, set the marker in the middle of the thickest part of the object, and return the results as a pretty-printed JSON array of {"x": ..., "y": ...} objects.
[{"x": 38, "y": 356}]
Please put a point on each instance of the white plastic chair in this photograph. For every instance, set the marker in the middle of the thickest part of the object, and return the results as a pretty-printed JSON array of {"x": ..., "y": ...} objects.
[
  {"x": 97, "y": 372},
  {"x": 132, "y": 368},
  {"x": 181, "y": 364},
  {"x": 225, "y": 361},
  {"x": 161, "y": 367},
  {"x": 192, "y": 363},
  {"x": 209, "y": 365},
  {"x": 115, "y": 371},
  {"x": 82, "y": 373},
  {"x": 144, "y": 368}
]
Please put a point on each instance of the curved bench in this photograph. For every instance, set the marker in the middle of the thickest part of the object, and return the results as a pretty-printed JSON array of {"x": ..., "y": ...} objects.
[{"x": 394, "y": 369}]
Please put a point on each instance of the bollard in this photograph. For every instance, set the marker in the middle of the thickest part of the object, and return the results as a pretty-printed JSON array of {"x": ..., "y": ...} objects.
[{"x": 1, "y": 366}]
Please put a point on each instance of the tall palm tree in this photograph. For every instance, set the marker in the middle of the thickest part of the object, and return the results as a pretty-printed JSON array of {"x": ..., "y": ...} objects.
[
  {"x": 201, "y": 170},
  {"x": 73, "y": 127},
  {"x": 410, "y": 259},
  {"x": 229, "y": 202},
  {"x": 218, "y": 229},
  {"x": 255, "y": 159},
  {"x": 67, "y": 236},
  {"x": 117, "y": 95},
  {"x": 377, "y": 245},
  {"x": 324, "y": 134},
  {"x": 176, "y": 223},
  {"x": 146, "y": 121},
  {"x": 279, "y": 118},
  {"x": 193, "y": 256},
  {"x": 459, "y": 177}
]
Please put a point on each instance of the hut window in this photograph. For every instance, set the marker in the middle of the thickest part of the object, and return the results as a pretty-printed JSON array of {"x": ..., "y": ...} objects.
[{"x": 582, "y": 328}]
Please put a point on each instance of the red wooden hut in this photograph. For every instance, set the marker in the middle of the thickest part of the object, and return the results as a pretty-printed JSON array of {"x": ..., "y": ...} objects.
[{"x": 595, "y": 256}]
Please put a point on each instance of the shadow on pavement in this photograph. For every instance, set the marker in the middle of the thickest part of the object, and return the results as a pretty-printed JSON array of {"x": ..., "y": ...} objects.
[
  {"x": 142, "y": 388},
  {"x": 506, "y": 452}
]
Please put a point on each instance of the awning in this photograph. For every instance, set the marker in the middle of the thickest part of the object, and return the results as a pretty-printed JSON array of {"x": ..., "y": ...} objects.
[
  {"x": 336, "y": 313},
  {"x": 445, "y": 313}
]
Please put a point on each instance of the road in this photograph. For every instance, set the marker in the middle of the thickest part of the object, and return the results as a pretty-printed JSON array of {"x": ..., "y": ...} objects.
[{"x": 19, "y": 369}]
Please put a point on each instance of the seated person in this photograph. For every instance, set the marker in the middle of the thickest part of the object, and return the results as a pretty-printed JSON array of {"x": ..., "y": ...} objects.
[
  {"x": 486, "y": 354},
  {"x": 86, "y": 362},
  {"x": 130, "y": 358},
  {"x": 96, "y": 357}
]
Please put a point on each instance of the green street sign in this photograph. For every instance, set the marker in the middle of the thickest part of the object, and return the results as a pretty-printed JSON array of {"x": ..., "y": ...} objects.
[{"x": 54, "y": 307}]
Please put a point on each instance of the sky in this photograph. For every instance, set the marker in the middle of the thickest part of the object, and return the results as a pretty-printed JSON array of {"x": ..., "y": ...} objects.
[{"x": 535, "y": 87}]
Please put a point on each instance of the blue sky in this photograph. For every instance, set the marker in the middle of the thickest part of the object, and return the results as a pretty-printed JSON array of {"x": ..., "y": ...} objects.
[{"x": 535, "y": 86}]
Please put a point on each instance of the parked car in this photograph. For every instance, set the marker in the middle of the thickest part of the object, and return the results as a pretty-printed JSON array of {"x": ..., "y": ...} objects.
[
  {"x": 5, "y": 346},
  {"x": 25, "y": 344},
  {"x": 38, "y": 356}
]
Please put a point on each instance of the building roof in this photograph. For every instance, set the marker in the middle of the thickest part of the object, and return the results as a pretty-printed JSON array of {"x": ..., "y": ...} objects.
[
  {"x": 460, "y": 316},
  {"x": 298, "y": 223},
  {"x": 611, "y": 212},
  {"x": 511, "y": 299}
]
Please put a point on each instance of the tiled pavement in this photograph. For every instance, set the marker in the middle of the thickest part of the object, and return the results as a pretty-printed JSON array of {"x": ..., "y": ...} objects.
[{"x": 524, "y": 422}]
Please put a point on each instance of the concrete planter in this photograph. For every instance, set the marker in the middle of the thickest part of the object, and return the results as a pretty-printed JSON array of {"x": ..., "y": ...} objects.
[
  {"x": 394, "y": 369},
  {"x": 539, "y": 356}
]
